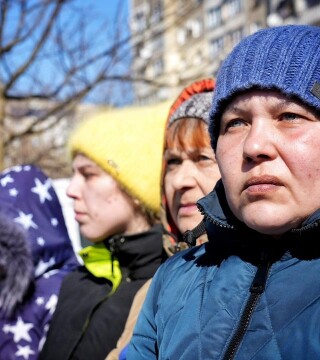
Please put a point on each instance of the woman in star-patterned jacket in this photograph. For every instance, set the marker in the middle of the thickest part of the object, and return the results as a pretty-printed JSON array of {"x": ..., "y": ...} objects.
[{"x": 35, "y": 254}]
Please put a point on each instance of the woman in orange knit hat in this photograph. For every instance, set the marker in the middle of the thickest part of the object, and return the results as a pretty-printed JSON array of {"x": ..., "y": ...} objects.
[{"x": 190, "y": 172}]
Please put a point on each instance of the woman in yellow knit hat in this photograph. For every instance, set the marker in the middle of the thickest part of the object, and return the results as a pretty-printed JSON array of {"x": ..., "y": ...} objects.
[{"x": 117, "y": 163}]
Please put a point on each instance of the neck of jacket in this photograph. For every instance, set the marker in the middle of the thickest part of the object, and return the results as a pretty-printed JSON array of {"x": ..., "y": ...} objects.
[
  {"x": 228, "y": 236},
  {"x": 139, "y": 255}
]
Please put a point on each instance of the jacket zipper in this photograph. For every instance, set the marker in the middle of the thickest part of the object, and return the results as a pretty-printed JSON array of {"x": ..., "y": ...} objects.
[
  {"x": 218, "y": 223},
  {"x": 256, "y": 289}
]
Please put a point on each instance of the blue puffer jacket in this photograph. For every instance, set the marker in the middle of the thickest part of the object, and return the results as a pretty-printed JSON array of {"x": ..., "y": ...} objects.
[{"x": 241, "y": 296}]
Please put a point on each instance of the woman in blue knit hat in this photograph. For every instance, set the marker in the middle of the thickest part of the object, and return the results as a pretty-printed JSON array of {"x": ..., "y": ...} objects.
[{"x": 253, "y": 290}]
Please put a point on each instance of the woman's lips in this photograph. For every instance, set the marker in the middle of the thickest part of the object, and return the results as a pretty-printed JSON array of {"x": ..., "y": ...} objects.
[
  {"x": 79, "y": 215},
  {"x": 262, "y": 184},
  {"x": 187, "y": 209}
]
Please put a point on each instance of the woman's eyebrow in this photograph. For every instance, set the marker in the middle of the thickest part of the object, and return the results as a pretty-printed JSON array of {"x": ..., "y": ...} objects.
[
  {"x": 234, "y": 110},
  {"x": 86, "y": 167}
]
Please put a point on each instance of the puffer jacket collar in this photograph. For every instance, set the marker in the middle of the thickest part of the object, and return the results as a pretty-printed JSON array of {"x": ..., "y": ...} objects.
[{"x": 228, "y": 236}]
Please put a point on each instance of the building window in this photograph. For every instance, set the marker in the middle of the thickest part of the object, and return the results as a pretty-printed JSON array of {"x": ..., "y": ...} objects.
[
  {"x": 158, "y": 42},
  {"x": 158, "y": 67},
  {"x": 157, "y": 12},
  {"x": 220, "y": 14},
  {"x": 196, "y": 28},
  {"x": 140, "y": 21},
  {"x": 216, "y": 47},
  {"x": 230, "y": 8},
  {"x": 236, "y": 36},
  {"x": 232, "y": 39},
  {"x": 214, "y": 17},
  {"x": 181, "y": 36}
]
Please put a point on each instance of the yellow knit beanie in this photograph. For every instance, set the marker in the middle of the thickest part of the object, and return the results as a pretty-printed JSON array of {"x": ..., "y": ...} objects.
[{"x": 128, "y": 144}]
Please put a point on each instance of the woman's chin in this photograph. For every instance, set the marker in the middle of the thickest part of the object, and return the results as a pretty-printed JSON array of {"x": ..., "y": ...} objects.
[{"x": 271, "y": 228}]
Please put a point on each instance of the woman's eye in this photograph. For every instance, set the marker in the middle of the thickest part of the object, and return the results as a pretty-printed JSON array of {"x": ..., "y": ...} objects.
[
  {"x": 87, "y": 175},
  {"x": 290, "y": 116},
  {"x": 233, "y": 124},
  {"x": 173, "y": 161},
  {"x": 203, "y": 157},
  {"x": 205, "y": 160}
]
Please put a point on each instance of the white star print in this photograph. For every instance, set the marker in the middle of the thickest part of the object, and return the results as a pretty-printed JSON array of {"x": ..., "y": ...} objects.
[
  {"x": 20, "y": 330},
  {"x": 50, "y": 273},
  {"x": 13, "y": 192},
  {"x": 41, "y": 342},
  {"x": 54, "y": 222},
  {"x": 40, "y": 241},
  {"x": 42, "y": 266},
  {"x": 6, "y": 180},
  {"x": 40, "y": 300},
  {"x": 52, "y": 303},
  {"x": 42, "y": 190},
  {"x": 25, "y": 220},
  {"x": 43, "y": 339},
  {"x": 17, "y": 168},
  {"x": 24, "y": 351}
]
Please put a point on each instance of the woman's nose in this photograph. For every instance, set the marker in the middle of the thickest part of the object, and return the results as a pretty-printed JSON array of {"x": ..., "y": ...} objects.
[
  {"x": 73, "y": 188},
  {"x": 185, "y": 175},
  {"x": 260, "y": 141}
]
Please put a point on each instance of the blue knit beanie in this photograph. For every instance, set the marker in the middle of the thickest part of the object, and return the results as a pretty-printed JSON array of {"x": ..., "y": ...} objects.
[{"x": 285, "y": 58}]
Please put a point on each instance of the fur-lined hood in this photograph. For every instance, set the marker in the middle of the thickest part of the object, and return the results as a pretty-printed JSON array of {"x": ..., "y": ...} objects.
[
  {"x": 16, "y": 265},
  {"x": 34, "y": 240}
]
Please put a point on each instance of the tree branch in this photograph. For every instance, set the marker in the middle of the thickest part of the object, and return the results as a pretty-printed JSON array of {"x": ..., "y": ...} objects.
[{"x": 37, "y": 47}]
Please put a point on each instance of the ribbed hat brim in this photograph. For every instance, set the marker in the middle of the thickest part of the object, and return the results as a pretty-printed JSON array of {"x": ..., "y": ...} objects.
[{"x": 285, "y": 58}]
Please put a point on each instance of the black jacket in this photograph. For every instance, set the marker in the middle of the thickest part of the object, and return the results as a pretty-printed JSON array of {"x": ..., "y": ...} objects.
[{"x": 89, "y": 319}]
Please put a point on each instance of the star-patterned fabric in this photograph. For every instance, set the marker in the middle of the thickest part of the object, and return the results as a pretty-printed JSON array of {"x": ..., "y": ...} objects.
[{"x": 28, "y": 199}]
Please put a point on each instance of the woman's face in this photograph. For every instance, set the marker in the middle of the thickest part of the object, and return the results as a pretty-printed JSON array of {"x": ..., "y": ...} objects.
[
  {"x": 268, "y": 152},
  {"x": 189, "y": 176},
  {"x": 101, "y": 208}
]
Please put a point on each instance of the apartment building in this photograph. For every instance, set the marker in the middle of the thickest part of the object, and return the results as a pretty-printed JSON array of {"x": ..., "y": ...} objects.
[
  {"x": 163, "y": 31},
  {"x": 178, "y": 41}
]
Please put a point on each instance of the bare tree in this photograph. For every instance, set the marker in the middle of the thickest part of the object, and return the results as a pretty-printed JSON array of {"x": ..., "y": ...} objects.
[{"x": 53, "y": 57}]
